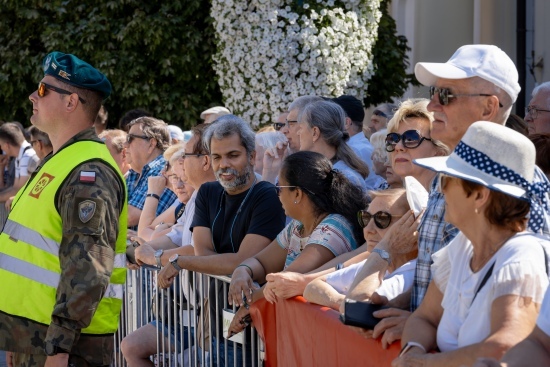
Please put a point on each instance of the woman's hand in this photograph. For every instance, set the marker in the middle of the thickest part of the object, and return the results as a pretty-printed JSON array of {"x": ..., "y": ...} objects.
[
  {"x": 415, "y": 358},
  {"x": 286, "y": 284},
  {"x": 166, "y": 276},
  {"x": 402, "y": 237},
  {"x": 269, "y": 292},
  {"x": 242, "y": 285},
  {"x": 156, "y": 184},
  {"x": 239, "y": 322}
]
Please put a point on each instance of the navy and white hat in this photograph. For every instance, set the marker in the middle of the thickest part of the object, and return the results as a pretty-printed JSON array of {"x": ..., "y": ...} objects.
[{"x": 500, "y": 159}]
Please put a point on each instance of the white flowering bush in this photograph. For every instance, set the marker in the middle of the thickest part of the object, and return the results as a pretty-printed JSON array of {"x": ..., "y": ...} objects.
[{"x": 270, "y": 52}]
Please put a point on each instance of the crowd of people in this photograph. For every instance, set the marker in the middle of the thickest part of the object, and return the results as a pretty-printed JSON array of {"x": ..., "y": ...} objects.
[{"x": 436, "y": 208}]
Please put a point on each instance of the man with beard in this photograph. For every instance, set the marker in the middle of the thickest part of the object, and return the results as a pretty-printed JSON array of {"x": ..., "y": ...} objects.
[{"x": 236, "y": 216}]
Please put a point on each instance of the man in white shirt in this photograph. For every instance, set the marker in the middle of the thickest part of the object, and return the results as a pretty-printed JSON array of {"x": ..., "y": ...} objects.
[
  {"x": 195, "y": 168},
  {"x": 13, "y": 144}
]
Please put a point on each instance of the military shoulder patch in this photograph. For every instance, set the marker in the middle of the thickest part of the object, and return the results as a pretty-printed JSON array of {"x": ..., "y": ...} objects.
[{"x": 86, "y": 210}]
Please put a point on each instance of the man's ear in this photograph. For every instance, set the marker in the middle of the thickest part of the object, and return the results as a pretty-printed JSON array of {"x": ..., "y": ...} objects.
[
  {"x": 71, "y": 102},
  {"x": 207, "y": 163},
  {"x": 490, "y": 108},
  {"x": 252, "y": 159}
]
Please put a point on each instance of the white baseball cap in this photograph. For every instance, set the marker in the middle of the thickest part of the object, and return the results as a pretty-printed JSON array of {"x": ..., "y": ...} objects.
[{"x": 485, "y": 61}]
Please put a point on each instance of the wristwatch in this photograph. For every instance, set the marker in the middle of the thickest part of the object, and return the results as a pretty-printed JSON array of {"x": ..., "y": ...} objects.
[
  {"x": 158, "y": 255},
  {"x": 174, "y": 261},
  {"x": 383, "y": 254},
  {"x": 52, "y": 350}
]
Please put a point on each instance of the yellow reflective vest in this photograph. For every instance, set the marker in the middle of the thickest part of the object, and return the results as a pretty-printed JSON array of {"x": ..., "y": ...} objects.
[{"x": 29, "y": 244}]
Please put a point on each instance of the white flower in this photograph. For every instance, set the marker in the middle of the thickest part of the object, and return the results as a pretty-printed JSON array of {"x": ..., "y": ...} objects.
[{"x": 268, "y": 54}]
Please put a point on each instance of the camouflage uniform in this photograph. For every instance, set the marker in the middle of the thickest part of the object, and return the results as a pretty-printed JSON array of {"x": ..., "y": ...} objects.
[{"x": 86, "y": 257}]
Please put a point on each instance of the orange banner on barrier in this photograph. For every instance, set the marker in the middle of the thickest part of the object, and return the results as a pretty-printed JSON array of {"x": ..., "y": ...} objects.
[{"x": 297, "y": 333}]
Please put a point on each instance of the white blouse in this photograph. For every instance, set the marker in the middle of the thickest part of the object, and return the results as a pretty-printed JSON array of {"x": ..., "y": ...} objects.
[{"x": 519, "y": 270}]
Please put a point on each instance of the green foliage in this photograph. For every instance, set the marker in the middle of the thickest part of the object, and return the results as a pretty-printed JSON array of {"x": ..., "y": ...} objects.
[
  {"x": 390, "y": 61},
  {"x": 157, "y": 55}
]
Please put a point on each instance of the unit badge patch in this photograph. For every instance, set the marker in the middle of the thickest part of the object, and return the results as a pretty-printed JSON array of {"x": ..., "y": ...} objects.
[
  {"x": 86, "y": 210},
  {"x": 44, "y": 180}
]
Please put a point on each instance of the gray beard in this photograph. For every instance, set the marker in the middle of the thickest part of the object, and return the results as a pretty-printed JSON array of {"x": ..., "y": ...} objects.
[{"x": 239, "y": 181}]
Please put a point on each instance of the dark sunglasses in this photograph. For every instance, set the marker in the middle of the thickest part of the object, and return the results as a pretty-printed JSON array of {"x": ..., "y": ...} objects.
[
  {"x": 411, "y": 139},
  {"x": 380, "y": 113},
  {"x": 381, "y": 219},
  {"x": 278, "y": 125},
  {"x": 131, "y": 137},
  {"x": 42, "y": 87},
  {"x": 445, "y": 96}
]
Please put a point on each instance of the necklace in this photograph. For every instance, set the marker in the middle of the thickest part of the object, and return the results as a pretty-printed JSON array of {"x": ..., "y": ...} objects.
[
  {"x": 488, "y": 256},
  {"x": 318, "y": 220}
]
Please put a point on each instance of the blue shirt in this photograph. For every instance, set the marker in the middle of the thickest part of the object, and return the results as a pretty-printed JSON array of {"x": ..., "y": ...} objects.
[
  {"x": 363, "y": 148},
  {"x": 137, "y": 186}
]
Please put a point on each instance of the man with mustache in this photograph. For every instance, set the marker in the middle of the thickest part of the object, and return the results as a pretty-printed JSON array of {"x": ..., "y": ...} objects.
[{"x": 236, "y": 216}]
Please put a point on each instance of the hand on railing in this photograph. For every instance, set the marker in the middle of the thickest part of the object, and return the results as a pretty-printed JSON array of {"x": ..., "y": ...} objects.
[
  {"x": 287, "y": 284},
  {"x": 145, "y": 253},
  {"x": 242, "y": 285},
  {"x": 240, "y": 321},
  {"x": 166, "y": 276}
]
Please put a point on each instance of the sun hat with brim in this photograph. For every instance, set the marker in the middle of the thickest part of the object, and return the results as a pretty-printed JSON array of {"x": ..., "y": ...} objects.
[
  {"x": 500, "y": 159},
  {"x": 218, "y": 110},
  {"x": 485, "y": 61}
]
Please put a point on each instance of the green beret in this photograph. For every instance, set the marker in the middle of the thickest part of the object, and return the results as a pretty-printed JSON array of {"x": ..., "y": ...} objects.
[{"x": 71, "y": 70}]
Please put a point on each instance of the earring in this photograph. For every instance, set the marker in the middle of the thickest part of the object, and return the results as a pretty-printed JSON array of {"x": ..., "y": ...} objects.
[
  {"x": 476, "y": 211},
  {"x": 295, "y": 202}
]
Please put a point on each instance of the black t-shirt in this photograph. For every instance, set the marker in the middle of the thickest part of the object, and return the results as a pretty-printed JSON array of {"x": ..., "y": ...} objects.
[{"x": 231, "y": 217}]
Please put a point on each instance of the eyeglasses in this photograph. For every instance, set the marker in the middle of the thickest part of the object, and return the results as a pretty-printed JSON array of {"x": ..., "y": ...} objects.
[
  {"x": 278, "y": 125},
  {"x": 42, "y": 87},
  {"x": 174, "y": 179},
  {"x": 381, "y": 219},
  {"x": 533, "y": 111},
  {"x": 288, "y": 122},
  {"x": 186, "y": 155},
  {"x": 131, "y": 137},
  {"x": 411, "y": 139},
  {"x": 445, "y": 96},
  {"x": 278, "y": 188}
]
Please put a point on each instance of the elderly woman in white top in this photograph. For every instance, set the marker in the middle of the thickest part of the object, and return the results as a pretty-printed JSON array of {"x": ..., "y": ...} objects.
[{"x": 489, "y": 282}]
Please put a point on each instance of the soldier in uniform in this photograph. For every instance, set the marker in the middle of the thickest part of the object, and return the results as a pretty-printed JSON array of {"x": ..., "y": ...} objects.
[{"x": 62, "y": 262}]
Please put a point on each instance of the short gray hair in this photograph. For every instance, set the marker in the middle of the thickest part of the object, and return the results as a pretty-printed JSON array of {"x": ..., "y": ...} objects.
[
  {"x": 301, "y": 102},
  {"x": 544, "y": 87},
  {"x": 229, "y": 125}
]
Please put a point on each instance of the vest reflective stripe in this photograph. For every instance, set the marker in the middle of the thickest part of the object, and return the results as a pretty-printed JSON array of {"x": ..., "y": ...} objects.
[
  {"x": 30, "y": 271},
  {"x": 21, "y": 233},
  {"x": 29, "y": 245}
]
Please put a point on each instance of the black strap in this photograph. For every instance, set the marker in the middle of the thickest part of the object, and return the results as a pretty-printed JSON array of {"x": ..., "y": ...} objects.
[{"x": 484, "y": 280}]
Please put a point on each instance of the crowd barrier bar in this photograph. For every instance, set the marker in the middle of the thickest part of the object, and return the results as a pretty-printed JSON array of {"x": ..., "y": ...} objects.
[{"x": 143, "y": 303}]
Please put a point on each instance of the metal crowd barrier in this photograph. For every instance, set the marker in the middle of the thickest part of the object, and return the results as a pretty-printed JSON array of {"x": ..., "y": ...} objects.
[{"x": 181, "y": 307}]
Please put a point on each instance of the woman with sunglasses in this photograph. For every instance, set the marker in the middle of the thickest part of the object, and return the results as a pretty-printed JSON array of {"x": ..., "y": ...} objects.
[
  {"x": 323, "y": 205},
  {"x": 489, "y": 282},
  {"x": 409, "y": 138},
  {"x": 383, "y": 212}
]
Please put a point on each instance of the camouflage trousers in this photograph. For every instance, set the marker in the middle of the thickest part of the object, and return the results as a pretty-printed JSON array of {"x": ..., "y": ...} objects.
[{"x": 38, "y": 360}]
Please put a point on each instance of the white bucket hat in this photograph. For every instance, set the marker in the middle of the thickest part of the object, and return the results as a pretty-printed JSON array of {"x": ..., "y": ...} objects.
[
  {"x": 485, "y": 61},
  {"x": 498, "y": 158}
]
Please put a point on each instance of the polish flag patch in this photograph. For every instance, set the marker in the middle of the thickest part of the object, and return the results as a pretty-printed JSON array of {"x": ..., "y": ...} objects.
[{"x": 87, "y": 176}]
